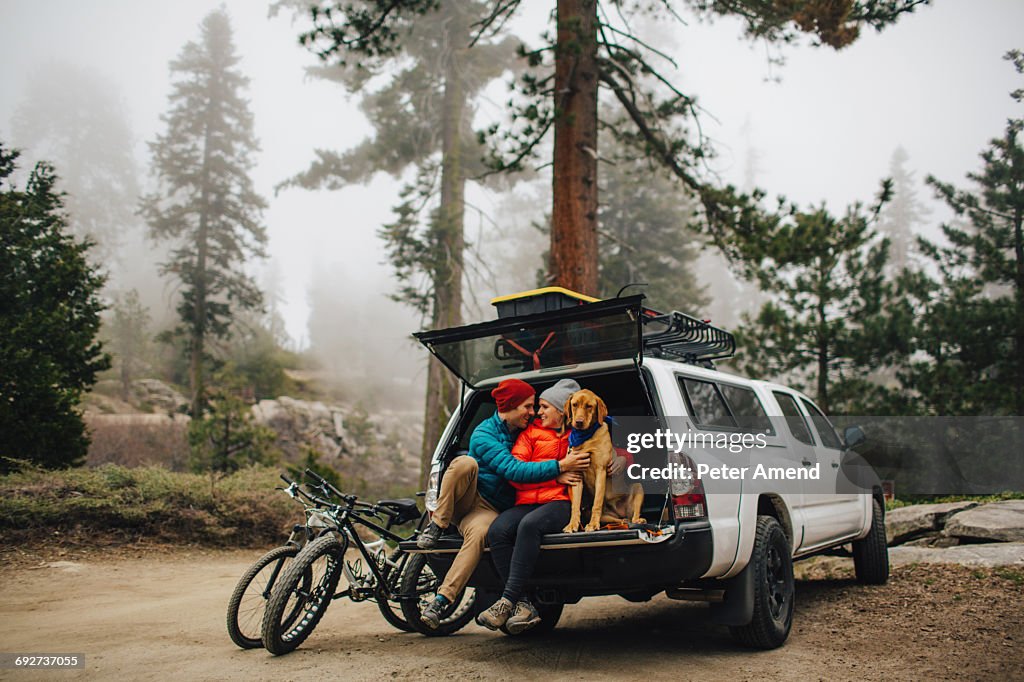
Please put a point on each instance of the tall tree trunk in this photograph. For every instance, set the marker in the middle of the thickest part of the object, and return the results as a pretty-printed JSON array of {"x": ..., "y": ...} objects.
[
  {"x": 198, "y": 336},
  {"x": 823, "y": 348},
  {"x": 1018, "y": 340},
  {"x": 448, "y": 242},
  {"x": 574, "y": 202}
]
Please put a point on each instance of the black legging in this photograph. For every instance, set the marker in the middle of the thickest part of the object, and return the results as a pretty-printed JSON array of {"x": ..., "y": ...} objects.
[{"x": 514, "y": 539}]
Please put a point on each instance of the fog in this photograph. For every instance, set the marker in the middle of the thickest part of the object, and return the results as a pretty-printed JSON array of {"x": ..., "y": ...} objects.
[{"x": 821, "y": 128}]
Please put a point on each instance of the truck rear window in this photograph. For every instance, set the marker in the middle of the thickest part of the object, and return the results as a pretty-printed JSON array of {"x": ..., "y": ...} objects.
[
  {"x": 794, "y": 419},
  {"x": 825, "y": 431},
  {"x": 724, "y": 405}
]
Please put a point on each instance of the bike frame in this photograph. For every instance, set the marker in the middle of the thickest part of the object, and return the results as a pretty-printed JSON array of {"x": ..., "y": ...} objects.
[{"x": 348, "y": 517}]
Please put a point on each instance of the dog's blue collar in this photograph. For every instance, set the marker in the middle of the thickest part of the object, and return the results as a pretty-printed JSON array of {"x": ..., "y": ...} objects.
[{"x": 580, "y": 436}]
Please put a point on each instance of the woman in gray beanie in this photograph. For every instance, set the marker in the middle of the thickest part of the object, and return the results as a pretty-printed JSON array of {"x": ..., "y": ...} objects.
[
  {"x": 514, "y": 537},
  {"x": 558, "y": 394}
]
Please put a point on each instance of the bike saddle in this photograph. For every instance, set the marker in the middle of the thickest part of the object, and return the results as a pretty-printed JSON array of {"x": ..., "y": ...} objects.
[{"x": 406, "y": 508}]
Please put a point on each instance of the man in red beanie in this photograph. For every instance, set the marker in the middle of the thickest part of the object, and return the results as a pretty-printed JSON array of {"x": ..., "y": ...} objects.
[{"x": 475, "y": 487}]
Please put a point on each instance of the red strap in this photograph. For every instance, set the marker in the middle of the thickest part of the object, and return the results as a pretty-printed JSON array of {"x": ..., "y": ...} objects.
[{"x": 535, "y": 354}]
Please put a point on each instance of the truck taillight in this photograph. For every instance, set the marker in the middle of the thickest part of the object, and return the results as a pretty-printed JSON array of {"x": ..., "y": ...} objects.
[
  {"x": 688, "y": 507},
  {"x": 430, "y": 501},
  {"x": 688, "y": 501}
]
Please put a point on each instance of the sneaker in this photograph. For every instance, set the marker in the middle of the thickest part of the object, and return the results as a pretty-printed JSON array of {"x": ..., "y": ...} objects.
[
  {"x": 494, "y": 617},
  {"x": 429, "y": 536},
  {"x": 524, "y": 618},
  {"x": 431, "y": 615}
]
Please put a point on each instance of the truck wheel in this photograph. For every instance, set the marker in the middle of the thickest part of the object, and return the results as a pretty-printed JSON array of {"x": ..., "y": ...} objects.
[
  {"x": 774, "y": 588},
  {"x": 871, "y": 555}
]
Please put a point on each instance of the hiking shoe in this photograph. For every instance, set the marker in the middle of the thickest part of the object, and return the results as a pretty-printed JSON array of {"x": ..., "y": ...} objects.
[
  {"x": 496, "y": 616},
  {"x": 524, "y": 618},
  {"x": 431, "y": 615},
  {"x": 429, "y": 537}
]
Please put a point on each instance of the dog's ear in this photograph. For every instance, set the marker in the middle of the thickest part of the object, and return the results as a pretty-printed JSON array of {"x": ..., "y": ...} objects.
[
  {"x": 602, "y": 411},
  {"x": 567, "y": 410}
]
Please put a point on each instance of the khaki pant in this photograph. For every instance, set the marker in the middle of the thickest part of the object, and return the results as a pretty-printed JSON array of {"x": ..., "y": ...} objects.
[{"x": 461, "y": 504}]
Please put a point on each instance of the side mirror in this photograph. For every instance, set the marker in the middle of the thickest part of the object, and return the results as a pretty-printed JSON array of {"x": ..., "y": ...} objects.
[{"x": 854, "y": 436}]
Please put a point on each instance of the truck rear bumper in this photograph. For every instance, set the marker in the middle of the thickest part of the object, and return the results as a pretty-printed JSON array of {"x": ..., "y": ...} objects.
[{"x": 573, "y": 565}]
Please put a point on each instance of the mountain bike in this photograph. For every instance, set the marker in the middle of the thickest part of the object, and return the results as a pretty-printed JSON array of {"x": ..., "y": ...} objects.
[
  {"x": 309, "y": 582},
  {"x": 248, "y": 601}
]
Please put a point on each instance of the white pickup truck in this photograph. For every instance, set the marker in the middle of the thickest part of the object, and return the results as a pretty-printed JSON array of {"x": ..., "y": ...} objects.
[{"x": 726, "y": 537}]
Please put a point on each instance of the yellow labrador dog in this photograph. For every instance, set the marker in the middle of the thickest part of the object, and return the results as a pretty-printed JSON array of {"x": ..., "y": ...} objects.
[{"x": 584, "y": 410}]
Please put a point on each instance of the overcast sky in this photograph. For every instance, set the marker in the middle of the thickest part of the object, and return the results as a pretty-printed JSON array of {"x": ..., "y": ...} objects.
[{"x": 935, "y": 83}]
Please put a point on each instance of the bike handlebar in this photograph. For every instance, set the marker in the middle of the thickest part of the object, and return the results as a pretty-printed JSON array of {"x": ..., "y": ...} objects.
[{"x": 351, "y": 500}]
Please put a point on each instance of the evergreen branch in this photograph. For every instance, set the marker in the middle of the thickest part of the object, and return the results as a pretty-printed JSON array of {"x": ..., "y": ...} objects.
[
  {"x": 622, "y": 243},
  {"x": 627, "y": 99},
  {"x": 366, "y": 35},
  {"x": 647, "y": 68},
  {"x": 499, "y": 16},
  {"x": 524, "y": 151},
  {"x": 639, "y": 42}
]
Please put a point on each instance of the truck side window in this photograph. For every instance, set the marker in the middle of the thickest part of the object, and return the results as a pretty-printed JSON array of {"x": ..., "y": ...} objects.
[
  {"x": 825, "y": 431},
  {"x": 746, "y": 409},
  {"x": 706, "y": 403},
  {"x": 794, "y": 419}
]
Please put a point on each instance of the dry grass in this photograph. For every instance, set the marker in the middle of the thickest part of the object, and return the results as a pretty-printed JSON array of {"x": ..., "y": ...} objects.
[{"x": 113, "y": 504}]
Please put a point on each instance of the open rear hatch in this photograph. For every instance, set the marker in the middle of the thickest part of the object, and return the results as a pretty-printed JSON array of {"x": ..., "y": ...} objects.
[{"x": 557, "y": 339}]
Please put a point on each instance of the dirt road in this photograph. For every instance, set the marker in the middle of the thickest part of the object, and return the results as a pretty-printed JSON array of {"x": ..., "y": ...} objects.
[{"x": 162, "y": 617}]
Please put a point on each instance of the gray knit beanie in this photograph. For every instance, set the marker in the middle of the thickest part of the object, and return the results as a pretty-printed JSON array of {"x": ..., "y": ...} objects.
[{"x": 560, "y": 392}]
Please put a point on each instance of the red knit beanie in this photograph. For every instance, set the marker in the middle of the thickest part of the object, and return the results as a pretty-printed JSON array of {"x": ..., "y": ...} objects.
[{"x": 511, "y": 393}]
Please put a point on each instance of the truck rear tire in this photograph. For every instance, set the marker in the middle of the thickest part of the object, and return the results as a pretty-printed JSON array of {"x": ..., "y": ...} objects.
[
  {"x": 871, "y": 554},
  {"x": 774, "y": 588}
]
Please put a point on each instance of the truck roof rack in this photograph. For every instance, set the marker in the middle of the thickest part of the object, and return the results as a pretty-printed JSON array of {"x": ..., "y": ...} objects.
[{"x": 683, "y": 337}]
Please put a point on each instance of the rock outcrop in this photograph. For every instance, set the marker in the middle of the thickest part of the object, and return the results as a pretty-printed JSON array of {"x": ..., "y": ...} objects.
[
  {"x": 908, "y": 523},
  {"x": 373, "y": 448},
  {"x": 153, "y": 395},
  {"x": 996, "y": 521}
]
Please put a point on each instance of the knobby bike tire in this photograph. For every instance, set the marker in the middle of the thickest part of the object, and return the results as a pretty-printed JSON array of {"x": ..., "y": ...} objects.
[
  {"x": 419, "y": 584},
  {"x": 281, "y": 633},
  {"x": 391, "y": 609},
  {"x": 248, "y": 602}
]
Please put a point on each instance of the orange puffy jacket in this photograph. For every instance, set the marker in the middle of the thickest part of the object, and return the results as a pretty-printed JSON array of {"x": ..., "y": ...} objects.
[{"x": 535, "y": 444}]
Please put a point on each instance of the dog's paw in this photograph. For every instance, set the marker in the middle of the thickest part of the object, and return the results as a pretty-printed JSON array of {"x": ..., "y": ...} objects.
[
  {"x": 591, "y": 527},
  {"x": 639, "y": 519},
  {"x": 571, "y": 528}
]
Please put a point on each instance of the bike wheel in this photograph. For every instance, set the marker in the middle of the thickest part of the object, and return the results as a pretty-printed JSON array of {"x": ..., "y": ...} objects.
[
  {"x": 391, "y": 609},
  {"x": 304, "y": 590},
  {"x": 248, "y": 602},
  {"x": 392, "y": 612},
  {"x": 419, "y": 587}
]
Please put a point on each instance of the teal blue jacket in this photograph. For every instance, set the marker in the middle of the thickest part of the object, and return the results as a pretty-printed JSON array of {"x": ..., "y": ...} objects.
[{"x": 491, "y": 446}]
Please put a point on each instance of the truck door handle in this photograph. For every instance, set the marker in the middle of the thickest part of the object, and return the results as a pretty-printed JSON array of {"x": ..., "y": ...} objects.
[{"x": 805, "y": 462}]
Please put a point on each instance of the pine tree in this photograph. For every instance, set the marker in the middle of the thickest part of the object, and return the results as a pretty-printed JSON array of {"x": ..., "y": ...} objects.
[
  {"x": 592, "y": 49},
  {"x": 645, "y": 235},
  {"x": 72, "y": 117},
  {"x": 49, "y": 319},
  {"x": 824, "y": 323},
  {"x": 560, "y": 93},
  {"x": 901, "y": 216},
  {"x": 128, "y": 330},
  {"x": 206, "y": 204},
  {"x": 971, "y": 324},
  {"x": 423, "y": 119}
]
